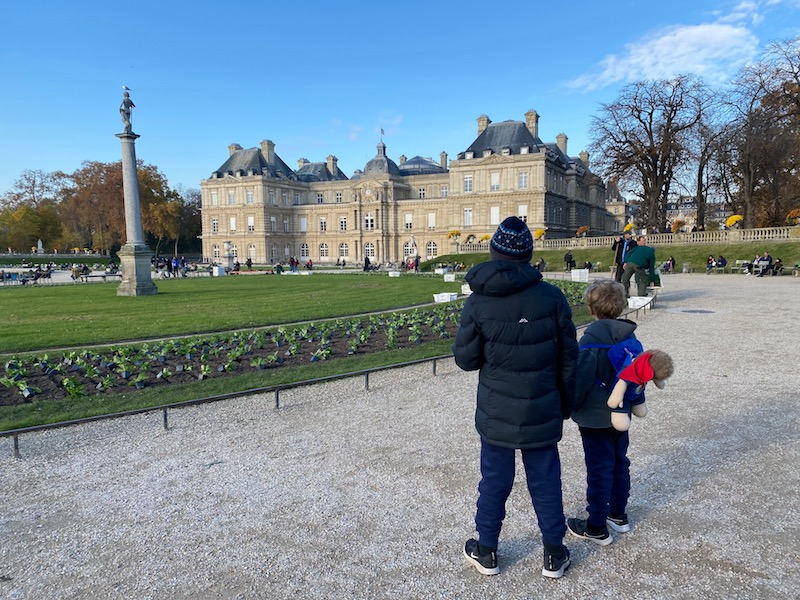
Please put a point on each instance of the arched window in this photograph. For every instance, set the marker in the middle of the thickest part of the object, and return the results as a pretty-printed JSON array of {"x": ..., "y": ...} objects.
[
  {"x": 323, "y": 250},
  {"x": 344, "y": 250},
  {"x": 369, "y": 250},
  {"x": 303, "y": 250},
  {"x": 431, "y": 250}
]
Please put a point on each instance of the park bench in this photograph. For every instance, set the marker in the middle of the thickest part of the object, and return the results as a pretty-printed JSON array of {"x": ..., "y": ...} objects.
[
  {"x": 741, "y": 265},
  {"x": 103, "y": 276}
]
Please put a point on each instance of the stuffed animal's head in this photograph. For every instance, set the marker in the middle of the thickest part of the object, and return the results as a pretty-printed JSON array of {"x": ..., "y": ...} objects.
[{"x": 662, "y": 366}]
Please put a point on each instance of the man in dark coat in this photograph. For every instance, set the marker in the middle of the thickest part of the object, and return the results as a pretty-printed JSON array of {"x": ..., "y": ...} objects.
[
  {"x": 621, "y": 247},
  {"x": 518, "y": 331}
]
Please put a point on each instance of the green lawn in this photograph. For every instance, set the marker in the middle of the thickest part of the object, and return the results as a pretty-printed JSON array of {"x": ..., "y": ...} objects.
[{"x": 57, "y": 316}]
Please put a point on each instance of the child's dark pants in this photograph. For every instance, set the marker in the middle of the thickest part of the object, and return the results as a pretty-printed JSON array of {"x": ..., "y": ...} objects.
[{"x": 608, "y": 476}]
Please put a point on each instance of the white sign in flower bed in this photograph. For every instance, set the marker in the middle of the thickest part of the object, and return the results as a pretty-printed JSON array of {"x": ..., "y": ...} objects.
[
  {"x": 394, "y": 273},
  {"x": 445, "y": 297},
  {"x": 449, "y": 277},
  {"x": 465, "y": 289}
]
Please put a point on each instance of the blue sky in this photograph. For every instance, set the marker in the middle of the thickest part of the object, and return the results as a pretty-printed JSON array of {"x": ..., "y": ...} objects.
[{"x": 320, "y": 78}]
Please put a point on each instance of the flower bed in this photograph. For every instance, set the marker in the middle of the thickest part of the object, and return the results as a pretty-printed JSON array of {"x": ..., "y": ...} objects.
[{"x": 135, "y": 366}]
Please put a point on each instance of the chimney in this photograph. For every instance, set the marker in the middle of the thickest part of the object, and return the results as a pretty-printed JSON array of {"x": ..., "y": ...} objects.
[
  {"x": 483, "y": 123},
  {"x": 301, "y": 162},
  {"x": 561, "y": 142},
  {"x": 402, "y": 159},
  {"x": 332, "y": 164},
  {"x": 584, "y": 156},
  {"x": 443, "y": 159},
  {"x": 233, "y": 148},
  {"x": 532, "y": 122},
  {"x": 268, "y": 150}
]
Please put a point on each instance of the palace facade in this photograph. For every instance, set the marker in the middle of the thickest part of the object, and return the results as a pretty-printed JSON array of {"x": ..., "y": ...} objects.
[{"x": 254, "y": 205}]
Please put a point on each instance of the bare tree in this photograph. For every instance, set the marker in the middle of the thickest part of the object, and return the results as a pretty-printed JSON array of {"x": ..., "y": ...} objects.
[
  {"x": 34, "y": 187},
  {"x": 641, "y": 139}
]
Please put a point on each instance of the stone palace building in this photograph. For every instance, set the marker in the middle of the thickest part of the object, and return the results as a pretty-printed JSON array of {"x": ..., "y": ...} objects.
[{"x": 254, "y": 205}]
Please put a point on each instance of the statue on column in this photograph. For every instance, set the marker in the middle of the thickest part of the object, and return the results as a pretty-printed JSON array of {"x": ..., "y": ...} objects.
[{"x": 125, "y": 110}]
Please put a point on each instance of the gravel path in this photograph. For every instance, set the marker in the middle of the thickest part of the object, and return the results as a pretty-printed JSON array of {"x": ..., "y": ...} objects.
[{"x": 348, "y": 493}]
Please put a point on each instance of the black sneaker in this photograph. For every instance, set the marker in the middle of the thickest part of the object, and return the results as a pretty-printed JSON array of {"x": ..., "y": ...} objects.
[
  {"x": 618, "y": 523},
  {"x": 485, "y": 562},
  {"x": 580, "y": 528},
  {"x": 555, "y": 563}
]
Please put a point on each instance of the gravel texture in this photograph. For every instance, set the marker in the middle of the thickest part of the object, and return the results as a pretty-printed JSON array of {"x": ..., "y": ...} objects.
[{"x": 345, "y": 492}]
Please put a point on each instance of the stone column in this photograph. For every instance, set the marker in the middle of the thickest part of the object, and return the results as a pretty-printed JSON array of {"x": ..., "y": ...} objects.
[{"x": 134, "y": 256}]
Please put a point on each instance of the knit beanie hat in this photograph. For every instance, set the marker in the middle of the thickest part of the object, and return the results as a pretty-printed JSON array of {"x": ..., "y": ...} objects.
[{"x": 512, "y": 241}]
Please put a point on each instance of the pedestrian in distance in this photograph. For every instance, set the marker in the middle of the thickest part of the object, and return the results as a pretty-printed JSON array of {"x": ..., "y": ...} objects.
[{"x": 517, "y": 330}]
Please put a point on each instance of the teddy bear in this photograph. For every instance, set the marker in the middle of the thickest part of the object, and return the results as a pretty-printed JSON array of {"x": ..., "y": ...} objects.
[{"x": 651, "y": 365}]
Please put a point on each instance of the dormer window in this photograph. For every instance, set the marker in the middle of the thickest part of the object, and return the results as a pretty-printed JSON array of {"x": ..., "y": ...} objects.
[
  {"x": 506, "y": 151},
  {"x": 524, "y": 150},
  {"x": 469, "y": 155},
  {"x": 487, "y": 153}
]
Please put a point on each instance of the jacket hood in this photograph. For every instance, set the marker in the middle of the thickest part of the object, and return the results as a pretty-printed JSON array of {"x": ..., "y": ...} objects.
[
  {"x": 501, "y": 277},
  {"x": 608, "y": 331}
]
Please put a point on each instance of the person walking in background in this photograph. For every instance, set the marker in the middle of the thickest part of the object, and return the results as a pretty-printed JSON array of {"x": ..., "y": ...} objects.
[
  {"x": 621, "y": 247},
  {"x": 517, "y": 330},
  {"x": 638, "y": 262},
  {"x": 608, "y": 476},
  {"x": 568, "y": 261}
]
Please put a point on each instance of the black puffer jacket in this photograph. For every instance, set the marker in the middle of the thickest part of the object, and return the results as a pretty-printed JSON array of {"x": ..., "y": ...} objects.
[
  {"x": 593, "y": 365},
  {"x": 518, "y": 330}
]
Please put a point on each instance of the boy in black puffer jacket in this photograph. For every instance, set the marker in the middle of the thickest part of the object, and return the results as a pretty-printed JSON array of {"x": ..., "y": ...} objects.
[
  {"x": 518, "y": 330},
  {"x": 607, "y": 465}
]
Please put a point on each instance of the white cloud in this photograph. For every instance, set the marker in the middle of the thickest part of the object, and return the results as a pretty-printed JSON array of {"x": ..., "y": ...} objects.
[{"x": 712, "y": 50}]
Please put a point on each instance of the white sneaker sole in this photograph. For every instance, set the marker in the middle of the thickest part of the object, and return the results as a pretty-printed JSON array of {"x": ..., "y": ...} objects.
[
  {"x": 556, "y": 574},
  {"x": 619, "y": 528},
  {"x": 480, "y": 568}
]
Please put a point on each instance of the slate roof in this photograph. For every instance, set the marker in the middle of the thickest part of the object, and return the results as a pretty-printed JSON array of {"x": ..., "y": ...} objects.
[
  {"x": 318, "y": 171},
  {"x": 381, "y": 164},
  {"x": 420, "y": 165},
  {"x": 505, "y": 134},
  {"x": 251, "y": 161}
]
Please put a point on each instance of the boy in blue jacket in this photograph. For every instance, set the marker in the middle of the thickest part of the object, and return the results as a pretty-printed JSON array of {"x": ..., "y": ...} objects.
[{"x": 607, "y": 465}]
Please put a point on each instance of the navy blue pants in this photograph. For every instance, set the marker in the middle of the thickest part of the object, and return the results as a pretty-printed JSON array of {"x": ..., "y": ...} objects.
[
  {"x": 543, "y": 474},
  {"x": 608, "y": 473}
]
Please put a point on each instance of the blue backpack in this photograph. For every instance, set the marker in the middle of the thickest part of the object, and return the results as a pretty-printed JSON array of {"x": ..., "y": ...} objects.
[{"x": 621, "y": 355}]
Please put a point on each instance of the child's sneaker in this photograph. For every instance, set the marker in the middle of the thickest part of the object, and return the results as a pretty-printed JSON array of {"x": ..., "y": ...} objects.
[
  {"x": 581, "y": 528},
  {"x": 555, "y": 562},
  {"x": 485, "y": 561},
  {"x": 618, "y": 523}
]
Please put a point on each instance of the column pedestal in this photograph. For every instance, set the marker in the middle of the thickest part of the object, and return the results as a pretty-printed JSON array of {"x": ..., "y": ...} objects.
[{"x": 135, "y": 268}]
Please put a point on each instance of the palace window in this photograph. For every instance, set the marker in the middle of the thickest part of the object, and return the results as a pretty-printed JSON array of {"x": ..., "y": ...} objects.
[
  {"x": 273, "y": 224},
  {"x": 344, "y": 250},
  {"x": 249, "y": 195},
  {"x": 467, "y": 217},
  {"x": 272, "y": 197},
  {"x": 522, "y": 209},
  {"x": 421, "y": 193},
  {"x": 284, "y": 198},
  {"x": 369, "y": 222},
  {"x": 494, "y": 215},
  {"x": 431, "y": 221},
  {"x": 232, "y": 223},
  {"x": 443, "y": 191},
  {"x": 323, "y": 250},
  {"x": 323, "y": 224},
  {"x": 231, "y": 197},
  {"x": 409, "y": 221},
  {"x": 494, "y": 182},
  {"x": 320, "y": 198},
  {"x": 214, "y": 225},
  {"x": 369, "y": 249},
  {"x": 251, "y": 224},
  {"x": 215, "y": 251},
  {"x": 467, "y": 183},
  {"x": 303, "y": 250},
  {"x": 285, "y": 224},
  {"x": 214, "y": 198},
  {"x": 522, "y": 180},
  {"x": 297, "y": 197},
  {"x": 342, "y": 223},
  {"x": 339, "y": 197},
  {"x": 431, "y": 250}
]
